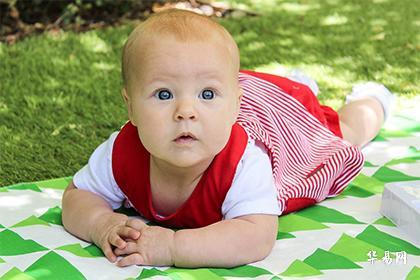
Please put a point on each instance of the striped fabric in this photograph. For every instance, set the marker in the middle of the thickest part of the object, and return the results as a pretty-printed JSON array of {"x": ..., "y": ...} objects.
[{"x": 308, "y": 160}]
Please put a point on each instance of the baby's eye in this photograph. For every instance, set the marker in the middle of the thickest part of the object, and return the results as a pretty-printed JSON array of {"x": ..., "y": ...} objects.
[
  {"x": 163, "y": 94},
  {"x": 207, "y": 94}
]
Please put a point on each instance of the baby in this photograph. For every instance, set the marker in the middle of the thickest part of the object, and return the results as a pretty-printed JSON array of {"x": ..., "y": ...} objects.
[{"x": 215, "y": 152}]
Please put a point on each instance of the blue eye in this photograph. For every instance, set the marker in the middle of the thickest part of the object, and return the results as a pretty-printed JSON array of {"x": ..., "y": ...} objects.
[
  {"x": 207, "y": 94},
  {"x": 163, "y": 94}
]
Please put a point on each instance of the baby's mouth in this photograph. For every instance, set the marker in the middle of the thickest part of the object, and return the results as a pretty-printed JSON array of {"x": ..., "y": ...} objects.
[{"x": 185, "y": 137}]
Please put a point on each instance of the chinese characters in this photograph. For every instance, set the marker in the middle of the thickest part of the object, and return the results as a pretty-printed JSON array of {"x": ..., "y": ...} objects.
[{"x": 400, "y": 257}]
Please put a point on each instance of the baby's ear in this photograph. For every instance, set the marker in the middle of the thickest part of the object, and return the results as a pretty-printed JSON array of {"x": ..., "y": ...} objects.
[
  {"x": 124, "y": 95},
  {"x": 127, "y": 101},
  {"x": 239, "y": 98},
  {"x": 238, "y": 102},
  {"x": 240, "y": 93}
]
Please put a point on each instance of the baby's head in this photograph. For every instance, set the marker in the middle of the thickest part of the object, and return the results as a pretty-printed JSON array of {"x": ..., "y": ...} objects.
[
  {"x": 180, "y": 73},
  {"x": 183, "y": 26}
]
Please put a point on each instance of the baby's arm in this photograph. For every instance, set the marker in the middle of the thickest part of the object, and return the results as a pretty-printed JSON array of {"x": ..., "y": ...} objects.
[
  {"x": 89, "y": 217},
  {"x": 226, "y": 243}
]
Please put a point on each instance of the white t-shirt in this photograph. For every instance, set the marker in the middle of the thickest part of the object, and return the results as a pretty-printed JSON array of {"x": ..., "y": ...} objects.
[{"x": 252, "y": 191}]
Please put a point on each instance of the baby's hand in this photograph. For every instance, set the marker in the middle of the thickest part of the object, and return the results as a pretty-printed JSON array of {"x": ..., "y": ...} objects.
[
  {"x": 153, "y": 247},
  {"x": 112, "y": 230}
]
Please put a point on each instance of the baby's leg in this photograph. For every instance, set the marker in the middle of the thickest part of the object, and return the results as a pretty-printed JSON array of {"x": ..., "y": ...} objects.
[
  {"x": 361, "y": 120},
  {"x": 362, "y": 117}
]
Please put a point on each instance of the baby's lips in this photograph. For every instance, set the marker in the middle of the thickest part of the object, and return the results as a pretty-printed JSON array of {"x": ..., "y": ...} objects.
[{"x": 185, "y": 135}]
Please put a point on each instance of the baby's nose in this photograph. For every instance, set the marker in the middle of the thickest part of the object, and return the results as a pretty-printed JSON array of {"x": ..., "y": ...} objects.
[{"x": 186, "y": 111}]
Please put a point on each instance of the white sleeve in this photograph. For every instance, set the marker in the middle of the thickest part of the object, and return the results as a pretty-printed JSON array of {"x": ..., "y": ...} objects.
[
  {"x": 253, "y": 190},
  {"x": 97, "y": 175}
]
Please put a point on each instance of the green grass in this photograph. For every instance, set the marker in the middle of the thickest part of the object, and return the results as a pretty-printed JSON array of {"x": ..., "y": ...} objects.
[{"x": 60, "y": 94}]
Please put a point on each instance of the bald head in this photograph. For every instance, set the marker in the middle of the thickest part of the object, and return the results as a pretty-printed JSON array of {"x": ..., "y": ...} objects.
[{"x": 183, "y": 26}]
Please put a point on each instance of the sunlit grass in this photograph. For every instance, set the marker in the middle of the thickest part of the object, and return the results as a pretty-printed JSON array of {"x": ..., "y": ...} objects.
[
  {"x": 346, "y": 41},
  {"x": 60, "y": 92}
]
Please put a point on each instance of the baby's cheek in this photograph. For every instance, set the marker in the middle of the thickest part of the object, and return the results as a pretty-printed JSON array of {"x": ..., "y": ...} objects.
[{"x": 220, "y": 139}]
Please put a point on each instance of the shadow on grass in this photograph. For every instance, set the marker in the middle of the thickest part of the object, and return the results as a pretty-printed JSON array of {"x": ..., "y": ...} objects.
[{"x": 337, "y": 42}]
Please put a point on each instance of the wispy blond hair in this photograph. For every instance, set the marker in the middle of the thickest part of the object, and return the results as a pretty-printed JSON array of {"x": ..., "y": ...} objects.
[{"x": 184, "y": 26}]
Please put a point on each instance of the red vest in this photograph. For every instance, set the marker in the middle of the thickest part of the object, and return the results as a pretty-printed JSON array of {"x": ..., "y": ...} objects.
[{"x": 131, "y": 163}]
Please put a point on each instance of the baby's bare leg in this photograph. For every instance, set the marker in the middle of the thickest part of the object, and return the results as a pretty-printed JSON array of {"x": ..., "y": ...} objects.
[
  {"x": 361, "y": 120},
  {"x": 368, "y": 106}
]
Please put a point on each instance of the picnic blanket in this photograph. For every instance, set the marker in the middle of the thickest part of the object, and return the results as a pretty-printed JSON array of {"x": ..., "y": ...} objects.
[{"x": 341, "y": 238}]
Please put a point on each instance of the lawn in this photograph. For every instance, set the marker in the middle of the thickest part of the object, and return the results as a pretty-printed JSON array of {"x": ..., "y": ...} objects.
[{"x": 60, "y": 93}]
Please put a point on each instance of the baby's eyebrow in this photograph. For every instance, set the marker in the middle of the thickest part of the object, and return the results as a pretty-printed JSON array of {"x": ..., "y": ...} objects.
[
  {"x": 160, "y": 78},
  {"x": 210, "y": 74},
  {"x": 168, "y": 77}
]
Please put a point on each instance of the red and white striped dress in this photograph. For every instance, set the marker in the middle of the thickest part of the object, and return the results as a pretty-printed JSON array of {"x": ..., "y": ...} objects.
[{"x": 309, "y": 161}]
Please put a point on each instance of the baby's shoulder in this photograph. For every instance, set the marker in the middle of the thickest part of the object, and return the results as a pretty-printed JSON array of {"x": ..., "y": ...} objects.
[{"x": 254, "y": 158}]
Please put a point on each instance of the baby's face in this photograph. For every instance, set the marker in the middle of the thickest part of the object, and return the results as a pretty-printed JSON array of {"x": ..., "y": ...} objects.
[{"x": 184, "y": 100}]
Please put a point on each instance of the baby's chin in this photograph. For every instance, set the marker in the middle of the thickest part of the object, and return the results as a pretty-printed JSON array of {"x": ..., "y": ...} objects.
[
  {"x": 190, "y": 161},
  {"x": 199, "y": 156},
  {"x": 185, "y": 160}
]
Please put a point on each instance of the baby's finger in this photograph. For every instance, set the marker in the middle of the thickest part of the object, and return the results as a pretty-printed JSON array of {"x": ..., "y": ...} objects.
[
  {"x": 117, "y": 241},
  {"x": 109, "y": 254},
  {"x": 129, "y": 249},
  {"x": 135, "y": 258},
  {"x": 128, "y": 233},
  {"x": 136, "y": 224},
  {"x": 130, "y": 240}
]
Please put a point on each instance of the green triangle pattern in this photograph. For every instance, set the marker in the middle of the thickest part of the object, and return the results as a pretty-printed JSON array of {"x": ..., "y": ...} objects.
[
  {"x": 355, "y": 191},
  {"x": 75, "y": 249},
  {"x": 15, "y": 274},
  {"x": 94, "y": 250},
  {"x": 149, "y": 273},
  {"x": 59, "y": 183},
  {"x": 354, "y": 249},
  {"x": 413, "y": 155},
  {"x": 411, "y": 125},
  {"x": 385, "y": 222},
  {"x": 25, "y": 186},
  {"x": 403, "y": 160},
  {"x": 380, "y": 138},
  {"x": 414, "y": 151},
  {"x": 30, "y": 221},
  {"x": 368, "y": 164},
  {"x": 275, "y": 278},
  {"x": 322, "y": 259},
  {"x": 300, "y": 269},
  {"x": 388, "y": 175},
  {"x": 53, "y": 266},
  {"x": 293, "y": 222},
  {"x": 13, "y": 244},
  {"x": 241, "y": 271},
  {"x": 338, "y": 197},
  {"x": 284, "y": 235},
  {"x": 53, "y": 216},
  {"x": 324, "y": 214},
  {"x": 392, "y": 134},
  {"x": 189, "y": 273},
  {"x": 386, "y": 241},
  {"x": 351, "y": 249},
  {"x": 414, "y": 274},
  {"x": 369, "y": 184},
  {"x": 406, "y": 124}
]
